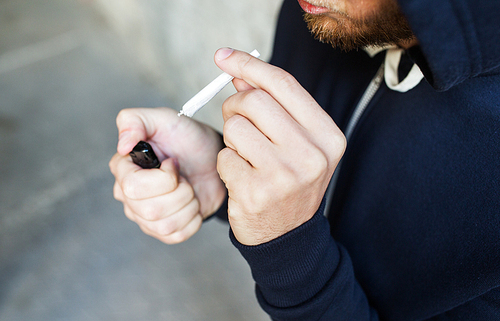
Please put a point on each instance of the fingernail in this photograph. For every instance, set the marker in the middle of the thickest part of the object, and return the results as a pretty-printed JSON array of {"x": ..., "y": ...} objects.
[{"x": 223, "y": 53}]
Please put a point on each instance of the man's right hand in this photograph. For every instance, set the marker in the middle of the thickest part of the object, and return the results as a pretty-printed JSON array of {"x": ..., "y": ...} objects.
[{"x": 171, "y": 202}]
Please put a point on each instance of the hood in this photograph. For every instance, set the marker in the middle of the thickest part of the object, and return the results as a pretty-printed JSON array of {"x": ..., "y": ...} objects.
[{"x": 459, "y": 39}]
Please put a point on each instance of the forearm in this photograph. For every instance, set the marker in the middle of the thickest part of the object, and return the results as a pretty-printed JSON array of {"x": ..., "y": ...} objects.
[{"x": 306, "y": 275}]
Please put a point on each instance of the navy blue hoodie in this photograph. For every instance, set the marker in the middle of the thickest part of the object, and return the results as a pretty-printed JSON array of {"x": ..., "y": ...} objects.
[{"x": 413, "y": 231}]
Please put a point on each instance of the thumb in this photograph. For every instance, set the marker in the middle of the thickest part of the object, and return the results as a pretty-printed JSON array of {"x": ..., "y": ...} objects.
[{"x": 132, "y": 127}]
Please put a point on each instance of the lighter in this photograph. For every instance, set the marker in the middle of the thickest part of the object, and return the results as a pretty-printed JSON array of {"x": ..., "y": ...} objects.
[{"x": 144, "y": 156}]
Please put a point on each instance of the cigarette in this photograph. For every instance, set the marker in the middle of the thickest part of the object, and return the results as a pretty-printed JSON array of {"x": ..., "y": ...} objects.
[{"x": 206, "y": 94}]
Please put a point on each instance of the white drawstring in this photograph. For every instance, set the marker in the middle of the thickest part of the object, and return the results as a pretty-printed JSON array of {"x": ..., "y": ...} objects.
[
  {"x": 390, "y": 74},
  {"x": 392, "y": 59}
]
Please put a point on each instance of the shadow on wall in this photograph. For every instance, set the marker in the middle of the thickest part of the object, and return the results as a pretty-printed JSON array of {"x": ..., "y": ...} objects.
[{"x": 174, "y": 41}]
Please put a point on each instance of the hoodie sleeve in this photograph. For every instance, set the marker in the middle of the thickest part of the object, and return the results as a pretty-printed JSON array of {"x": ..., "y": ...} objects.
[{"x": 306, "y": 275}]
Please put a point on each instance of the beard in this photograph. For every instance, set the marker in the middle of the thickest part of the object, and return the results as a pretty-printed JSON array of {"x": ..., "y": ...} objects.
[{"x": 389, "y": 26}]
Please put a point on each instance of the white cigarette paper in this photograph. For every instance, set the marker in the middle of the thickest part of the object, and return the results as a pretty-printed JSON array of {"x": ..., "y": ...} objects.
[{"x": 206, "y": 94}]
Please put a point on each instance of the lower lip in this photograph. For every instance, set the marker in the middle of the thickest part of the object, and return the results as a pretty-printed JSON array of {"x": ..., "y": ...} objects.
[{"x": 309, "y": 8}]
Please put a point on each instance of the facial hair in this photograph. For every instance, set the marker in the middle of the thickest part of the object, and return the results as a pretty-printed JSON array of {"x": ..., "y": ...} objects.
[{"x": 388, "y": 26}]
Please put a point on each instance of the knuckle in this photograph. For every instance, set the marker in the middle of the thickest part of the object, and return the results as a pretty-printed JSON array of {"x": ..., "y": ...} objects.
[
  {"x": 114, "y": 164},
  {"x": 187, "y": 192},
  {"x": 170, "y": 181},
  {"x": 129, "y": 187},
  {"x": 224, "y": 110},
  {"x": 341, "y": 142},
  {"x": 254, "y": 100},
  {"x": 287, "y": 181},
  {"x": 229, "y": 125},
  {"x": 222, "y": 159},
  {"x": 177, "y": 237},
  {"x": 254, "y": 97},
  {"x": 240, "y": 103},
  {"x": 336, "y": 143},
  {"x": 244, "y": 63},
  {"x": 227, "y": 106},
  {"x": 129, "y": 213},
  {"x": 224, "y": 153},
  {"x": 260, "y": 200},
  {"x": 226, "y": 167},
  {"x": 167, "y": 227},
  {"x": 142, "y": 184},
  {"x": 122, "y": 115},
  {"x": 117, "y": 194},
  {"x": 311, "y": 163},
  {"x": 111, "y": 164},
  {"x": 314, "y": 164},
  {"x": 335, "y": 147},
  {"x": 150, "y": 212},
  {"x": 284, "y": 80}
]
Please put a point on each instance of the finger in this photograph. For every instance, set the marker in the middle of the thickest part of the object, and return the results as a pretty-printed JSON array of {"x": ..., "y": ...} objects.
[
  {"x": 174, "y": 222},
  {"x": 117, "y": 192},
  {"x": 129, "y": 213},
  {"x": 180, "y": 236},
  {"x": 251, "y": 144},
  {"x": 135, "y": 124},
  {"x": 113, "y": 163},
  {"x": 281, "y": 85},
  {"x": 159, "y": 207},
  {"x": 132, "y": 128},
  {"x": 264, "y": 112},
  {"x": 139, "y": 184},
  {"x": 232, "y": 168},
  {"x": 241, "y": 85}
]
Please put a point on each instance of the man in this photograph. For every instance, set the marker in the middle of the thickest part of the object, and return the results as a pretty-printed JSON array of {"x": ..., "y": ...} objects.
[{"x": 410, "y": 227}]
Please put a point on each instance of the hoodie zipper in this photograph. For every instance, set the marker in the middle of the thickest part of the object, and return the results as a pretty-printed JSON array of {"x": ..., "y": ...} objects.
[
  {"x": 363, "y": 103},
  {"x": 367, "y": 97}
]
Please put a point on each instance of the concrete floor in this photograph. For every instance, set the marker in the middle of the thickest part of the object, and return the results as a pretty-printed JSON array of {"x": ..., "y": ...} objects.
[{"x": 67, "y": 252}]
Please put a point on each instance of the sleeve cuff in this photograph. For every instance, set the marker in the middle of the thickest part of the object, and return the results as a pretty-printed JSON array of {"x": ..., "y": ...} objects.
[{"x": 293, "y": 268}]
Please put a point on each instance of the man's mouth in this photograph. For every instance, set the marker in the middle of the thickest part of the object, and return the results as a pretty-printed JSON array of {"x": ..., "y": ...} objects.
[{"x": 312, "y": 9}]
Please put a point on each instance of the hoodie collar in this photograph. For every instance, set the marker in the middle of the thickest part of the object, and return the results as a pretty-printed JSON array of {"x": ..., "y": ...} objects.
[{"x": 458, "y": 38}]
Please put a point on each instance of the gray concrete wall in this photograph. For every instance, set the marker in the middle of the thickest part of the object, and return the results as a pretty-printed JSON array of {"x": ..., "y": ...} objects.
[
  {"x": 67, "y": 251},
  {"x": 174, "y": 41}
]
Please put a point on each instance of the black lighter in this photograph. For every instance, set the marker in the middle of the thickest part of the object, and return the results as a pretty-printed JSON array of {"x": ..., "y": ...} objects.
[{"x": 144, "y": 156}]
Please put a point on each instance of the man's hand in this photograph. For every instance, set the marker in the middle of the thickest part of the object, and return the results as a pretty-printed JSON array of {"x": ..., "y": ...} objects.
[
  {"x": 282, "y": 150},
  {"x": 171, "y": 202}
]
